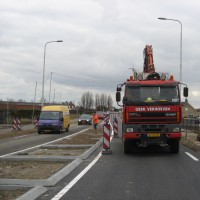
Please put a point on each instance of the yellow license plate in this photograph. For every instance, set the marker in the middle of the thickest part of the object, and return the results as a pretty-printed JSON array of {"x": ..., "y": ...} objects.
[{"x": 154, "y": 135}]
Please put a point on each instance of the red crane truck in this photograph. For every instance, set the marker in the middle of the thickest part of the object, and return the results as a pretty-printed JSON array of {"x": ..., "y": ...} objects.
[{"x": 152, "y": 111}]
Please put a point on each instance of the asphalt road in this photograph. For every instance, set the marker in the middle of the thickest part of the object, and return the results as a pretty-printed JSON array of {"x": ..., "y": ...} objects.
[
  {"x": 23, "y": 142},
  {"x": 150, "y": 174}
]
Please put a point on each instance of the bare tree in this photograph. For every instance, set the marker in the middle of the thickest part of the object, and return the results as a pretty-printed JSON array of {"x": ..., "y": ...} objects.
[
  {"x": 97, "y": 101},
  {"x": 109, "y": 102},
  {"x": 87, "y": 101},
  {"x": 103, "y": 101}
]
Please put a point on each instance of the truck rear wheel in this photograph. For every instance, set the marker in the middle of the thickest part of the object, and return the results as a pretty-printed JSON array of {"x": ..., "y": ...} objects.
[{"x": 174, "y": 146}]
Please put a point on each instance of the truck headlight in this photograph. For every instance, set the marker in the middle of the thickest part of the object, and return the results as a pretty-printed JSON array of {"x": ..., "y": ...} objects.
[
  {"x": 129, "y": 130},
  {"x": 171, "y": 114},
  {"x": 176, "y": 129}
]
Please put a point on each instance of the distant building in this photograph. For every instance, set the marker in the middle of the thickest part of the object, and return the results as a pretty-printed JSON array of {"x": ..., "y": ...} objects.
[
  {"x": 9, "y": 109},
  {"x": 12, "y": 105},
  {"x": 23, "y": 109},
  {"x": 188, "y": 110},
  {"x": 70, "y": 105},
  {"x": 198, "y": 112}
]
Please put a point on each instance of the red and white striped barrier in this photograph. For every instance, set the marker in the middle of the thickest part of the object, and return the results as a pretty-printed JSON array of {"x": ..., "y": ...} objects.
[
  {"x": 35, "y": 121},
  {"x": 18, "y": 124},
  {"x": 115, "y": 128},
  {"x": 107, "y": 120},
  {"x": 106, "y": 139},
  {"x": 14, "y": 124}
]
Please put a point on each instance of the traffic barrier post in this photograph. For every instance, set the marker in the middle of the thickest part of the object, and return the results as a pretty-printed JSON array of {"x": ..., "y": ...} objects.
[
  {"x": 35, "y": 121},
  {"x": 18, "y": 124},
  {"x": 107, "y": 120},
  {"x": 106, "y": 139},
  {"x": 14, "y": 124},
  {"x": 115, "y": 128}
]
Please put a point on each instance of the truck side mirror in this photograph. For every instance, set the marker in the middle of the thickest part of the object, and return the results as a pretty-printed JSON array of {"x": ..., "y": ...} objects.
[
  {"x": 118, "y": 96},
  {"x": 185, "y": 92}
]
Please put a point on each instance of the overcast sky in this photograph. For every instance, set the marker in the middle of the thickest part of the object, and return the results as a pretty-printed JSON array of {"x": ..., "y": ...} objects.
[{"x": 102, "y": 39}]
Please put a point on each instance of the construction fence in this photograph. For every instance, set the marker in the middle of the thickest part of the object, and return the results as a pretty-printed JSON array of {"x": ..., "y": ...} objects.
[{"x": 191, "y": 124}]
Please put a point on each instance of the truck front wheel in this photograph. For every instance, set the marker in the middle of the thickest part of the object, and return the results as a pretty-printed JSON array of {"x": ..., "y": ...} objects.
[
  {"x": 174, "y": 146},
  {"x": 127, "y": 147}
]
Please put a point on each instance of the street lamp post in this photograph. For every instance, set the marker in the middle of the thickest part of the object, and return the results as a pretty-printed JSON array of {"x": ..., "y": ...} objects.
[
  {"x": 163, "y": 18},
  {"x": 50, "y": 88},
  {"x": 44, "y": 69}
]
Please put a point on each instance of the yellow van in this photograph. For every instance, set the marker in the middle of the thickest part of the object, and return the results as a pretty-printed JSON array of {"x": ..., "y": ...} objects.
[{"x": 54, "y": 118}]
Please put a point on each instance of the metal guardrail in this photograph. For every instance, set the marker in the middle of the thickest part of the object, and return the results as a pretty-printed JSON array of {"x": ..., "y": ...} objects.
[
  {"x": 115, "y": 114},
  {"x": 192, "y": 124}
]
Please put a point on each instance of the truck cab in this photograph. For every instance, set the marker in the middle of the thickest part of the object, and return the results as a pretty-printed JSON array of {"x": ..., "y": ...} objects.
[{"x": 152, "y": 111}]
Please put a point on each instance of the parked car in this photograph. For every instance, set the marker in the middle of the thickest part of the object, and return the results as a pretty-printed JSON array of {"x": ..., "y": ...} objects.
[
  {"x": 85, "y": 119},
  {"x": 100, "y": 115}
]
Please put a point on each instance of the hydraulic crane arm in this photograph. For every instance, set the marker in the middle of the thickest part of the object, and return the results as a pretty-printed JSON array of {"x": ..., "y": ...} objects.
[{"x": 148, "y": 59}]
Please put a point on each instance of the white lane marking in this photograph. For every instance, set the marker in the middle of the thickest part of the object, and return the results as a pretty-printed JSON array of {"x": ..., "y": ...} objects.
[
  {"x": 16, "y": 152},
  {"x": 76, "y": 179},
  {"x": 79, "y": 176},
  {"x": 191, "y": 156}
]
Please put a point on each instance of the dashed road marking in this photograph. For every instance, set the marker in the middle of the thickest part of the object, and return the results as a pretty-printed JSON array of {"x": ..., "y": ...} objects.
[{"x": 191, "y": 156}]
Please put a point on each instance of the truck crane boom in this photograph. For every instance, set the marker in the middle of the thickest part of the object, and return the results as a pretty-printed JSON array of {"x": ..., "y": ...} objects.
[
  {"x": 148, "y": 60},
  {"x": 152, "y": 110}
]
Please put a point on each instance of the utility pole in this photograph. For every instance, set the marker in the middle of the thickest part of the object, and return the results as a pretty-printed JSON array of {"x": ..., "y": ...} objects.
[{"x": 34, "y": 102}]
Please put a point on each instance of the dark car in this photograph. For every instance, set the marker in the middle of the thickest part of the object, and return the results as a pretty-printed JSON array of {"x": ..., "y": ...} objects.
[{"x": 85, "y": 119}]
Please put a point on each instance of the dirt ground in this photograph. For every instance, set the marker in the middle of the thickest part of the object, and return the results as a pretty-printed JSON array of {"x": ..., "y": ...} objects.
[
  {"x": 41, "y": 169},
  {"x": 11, "y": 194},
  {"x": 89, "y": 137},
  {"x": 29, "y": 169},
  {"x": 191, "y": 142},
  {"x": 60, "y": 152}
]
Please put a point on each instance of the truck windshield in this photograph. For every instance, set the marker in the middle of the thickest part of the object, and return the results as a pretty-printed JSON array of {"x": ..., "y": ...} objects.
[
  {"x": 50, "y": 115},
  {"x": 152, "y": 94}
]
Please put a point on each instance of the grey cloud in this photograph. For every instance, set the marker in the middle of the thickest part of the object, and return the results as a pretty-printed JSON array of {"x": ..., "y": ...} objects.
[{"x": 102, "y": 39}]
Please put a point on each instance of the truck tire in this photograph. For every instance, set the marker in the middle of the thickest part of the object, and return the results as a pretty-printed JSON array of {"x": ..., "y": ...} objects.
[
  {"x": 174, "y": 146},
  {"x": 127, "y": 147},
  {"x": 39, "y": 132}
]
